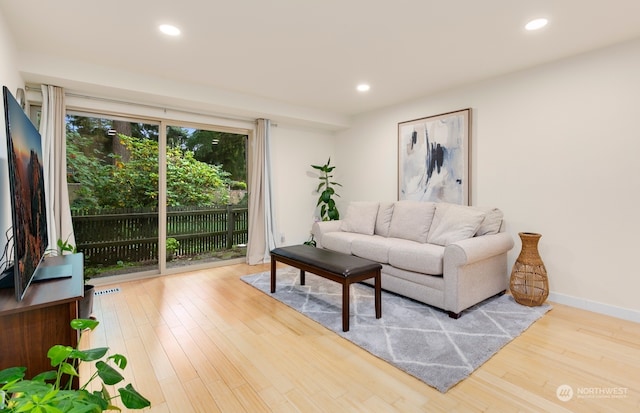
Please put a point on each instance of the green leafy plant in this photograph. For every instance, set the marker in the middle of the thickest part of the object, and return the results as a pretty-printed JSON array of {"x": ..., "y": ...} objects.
[
  {"x": 61, "y": 248},
  {"x": 52, "y": 392},
  {"x": 311, "y": 241},
  {"x": 111, "y": 181},
  {"x": 328, "y": 209},
  {"x": 172, "y": 247},
  {"x": 65, "y": 246}
]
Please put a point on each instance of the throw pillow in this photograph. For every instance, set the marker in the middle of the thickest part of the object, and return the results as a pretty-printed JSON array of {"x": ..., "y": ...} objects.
[
  {"x": 385, "y": 212},
  {"x": 411, "y": 220},
  {"x": 454, "y": 223},
  {"x": 491, "y": 223},
  {"x": 360, "y": 218}
]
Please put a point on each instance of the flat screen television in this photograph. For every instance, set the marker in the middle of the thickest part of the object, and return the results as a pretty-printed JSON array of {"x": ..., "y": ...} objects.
[{"x": 26, "y": 191}]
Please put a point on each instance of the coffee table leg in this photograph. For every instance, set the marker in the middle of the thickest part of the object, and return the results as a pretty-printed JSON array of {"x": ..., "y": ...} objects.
[
  {"x": 302, "y": 279},
  {"x": 273, "y": 275},
  {"x": 345, "y": 306},
  {"x": 378, "y": 293}
]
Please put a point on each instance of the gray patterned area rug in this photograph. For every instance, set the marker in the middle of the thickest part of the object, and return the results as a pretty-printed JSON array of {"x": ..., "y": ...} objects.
[{"x": 418, "y": 339}]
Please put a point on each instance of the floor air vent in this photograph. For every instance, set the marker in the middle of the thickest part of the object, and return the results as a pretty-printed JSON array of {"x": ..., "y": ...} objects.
[{"x": 108, "y": 291}]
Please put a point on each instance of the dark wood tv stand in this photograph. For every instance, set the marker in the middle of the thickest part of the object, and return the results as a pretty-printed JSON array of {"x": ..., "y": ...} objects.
[{"x": 30, "y": 327}]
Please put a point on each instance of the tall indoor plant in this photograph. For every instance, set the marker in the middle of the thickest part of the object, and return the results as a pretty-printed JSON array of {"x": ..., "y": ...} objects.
[{"x": 328, "y": 209}]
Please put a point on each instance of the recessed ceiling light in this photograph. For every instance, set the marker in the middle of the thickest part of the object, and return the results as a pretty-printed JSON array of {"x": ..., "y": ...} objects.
[
  {"x": 536, "y": 24},
  {"x": 363, "y": 87},
  {"x": 169, "y": 30}
]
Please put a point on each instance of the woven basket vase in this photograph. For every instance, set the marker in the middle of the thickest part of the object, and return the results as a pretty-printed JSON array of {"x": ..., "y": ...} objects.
[{"x": 529, "y": 284}]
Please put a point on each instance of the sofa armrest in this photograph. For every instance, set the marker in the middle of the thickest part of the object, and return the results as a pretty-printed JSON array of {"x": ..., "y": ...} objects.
[
  {"x": 476, "y": 249},
  {"x": 475, "y": 269},
  {"x": 320, "y": 228}
]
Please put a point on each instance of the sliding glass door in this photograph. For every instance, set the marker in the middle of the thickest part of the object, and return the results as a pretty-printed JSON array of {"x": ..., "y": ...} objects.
[
  {"x": 146, "y": 196},
  {"x": 112, "y": 166},
  {"x": 206, "y": 195}
]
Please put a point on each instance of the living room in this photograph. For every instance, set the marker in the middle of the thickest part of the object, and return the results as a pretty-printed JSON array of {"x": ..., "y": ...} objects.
[{"x": 551, "y": 146}]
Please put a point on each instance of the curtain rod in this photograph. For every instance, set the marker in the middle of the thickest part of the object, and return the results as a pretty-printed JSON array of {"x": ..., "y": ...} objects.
[{"x": 148, "y": 106}]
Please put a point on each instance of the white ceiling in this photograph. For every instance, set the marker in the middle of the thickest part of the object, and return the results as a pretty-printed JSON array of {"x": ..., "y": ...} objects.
[{"x": 312, "y": 53}]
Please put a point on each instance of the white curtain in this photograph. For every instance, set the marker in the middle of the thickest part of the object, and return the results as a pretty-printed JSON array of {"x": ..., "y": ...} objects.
[
  {"x": 54, "y": 148},
  {"x": 269, "y": 217},
  {"x": 262, "y": 228}
]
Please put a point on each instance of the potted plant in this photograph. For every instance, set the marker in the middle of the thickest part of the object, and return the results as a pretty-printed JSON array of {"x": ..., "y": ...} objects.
[
  {"x": 311, "y": 241},
  {"x": 53, "y": 391},
  {"x": 85, "y": 304},
  {"x": 328, "y": 209}
]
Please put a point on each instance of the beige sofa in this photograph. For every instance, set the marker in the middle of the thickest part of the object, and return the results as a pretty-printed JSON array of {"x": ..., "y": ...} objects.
[{"x": 445, "y": 255}]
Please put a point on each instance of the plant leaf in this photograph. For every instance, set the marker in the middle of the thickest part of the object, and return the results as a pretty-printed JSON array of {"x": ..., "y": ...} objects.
[
  {"x": 57, "y": 354},
  {"x": 49, "y": 395},
  {"x": 47, "y": 375},
  {"x": 82, "y": 324},
  {"x": 104, "y": 394},
  {"x": 90, "y": 354},
  {"x": 119, "y": 360},
  {"x": 22, "y": 386},
  {"x": 83, "y": 408},
  {"x": 12, "y": 374},
  {"x": 67, "y": 368},
  {"x": 108, "y": 374},
  {"x": 132, "y": 399}
]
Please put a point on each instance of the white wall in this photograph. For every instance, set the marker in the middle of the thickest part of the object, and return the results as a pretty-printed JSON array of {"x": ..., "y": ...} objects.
[
  {"x": 293, "y": 150},
  {"x": 10, "y": 78},
  {"x": 556, "y": 148}
]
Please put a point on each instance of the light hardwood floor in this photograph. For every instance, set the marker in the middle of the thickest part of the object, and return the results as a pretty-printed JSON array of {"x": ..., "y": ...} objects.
[{"x": 205, "y": 341}]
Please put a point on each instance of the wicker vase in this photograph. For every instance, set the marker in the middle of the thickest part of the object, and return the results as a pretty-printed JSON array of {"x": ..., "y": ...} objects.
[{"x": 529, "y": 284}]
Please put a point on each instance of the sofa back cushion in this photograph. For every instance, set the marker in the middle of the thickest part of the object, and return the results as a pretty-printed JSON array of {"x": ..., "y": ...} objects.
[
  {"x": 411, "y": 220},
  {"x": 383, "y": 220},
  {"x": 360, "y": 218},
  {"x": 453, "y": 223}
]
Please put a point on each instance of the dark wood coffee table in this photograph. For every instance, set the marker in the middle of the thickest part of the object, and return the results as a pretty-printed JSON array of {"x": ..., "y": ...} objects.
[{"x": 342, "y": 268}]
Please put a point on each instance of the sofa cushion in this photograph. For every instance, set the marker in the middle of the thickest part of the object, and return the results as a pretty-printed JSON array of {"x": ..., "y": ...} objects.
[
  {"x": 360, "y": 218},
  {"x": 341, "y": 241},
  {"x": 491, "y": 223},
  {"x": 383, "y": 220},
  {"x": 435, "y": 282},
  {"x": 374, "y": 248},
  {"x": 453, "y": 223},
  {"x": 418, "y": 257},
  {"x": 411, "y": 220}
]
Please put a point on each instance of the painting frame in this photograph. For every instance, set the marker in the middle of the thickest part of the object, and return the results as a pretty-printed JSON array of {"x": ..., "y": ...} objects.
[{"x": 433, "y": 158}]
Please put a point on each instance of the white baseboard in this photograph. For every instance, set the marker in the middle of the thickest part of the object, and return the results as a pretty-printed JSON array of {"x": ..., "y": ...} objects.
[{"x": 596, "y": 307}]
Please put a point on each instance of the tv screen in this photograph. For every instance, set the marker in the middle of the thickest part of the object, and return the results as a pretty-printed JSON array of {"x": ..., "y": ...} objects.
[{"x": 26, "y": 184}]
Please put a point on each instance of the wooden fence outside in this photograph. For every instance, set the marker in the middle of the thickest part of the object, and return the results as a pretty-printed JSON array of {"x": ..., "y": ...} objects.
[{"x": 131, "y": 235}]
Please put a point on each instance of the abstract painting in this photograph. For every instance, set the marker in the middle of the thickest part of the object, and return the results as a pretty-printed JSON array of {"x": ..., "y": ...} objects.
[{"x": 433, "y": 158}]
